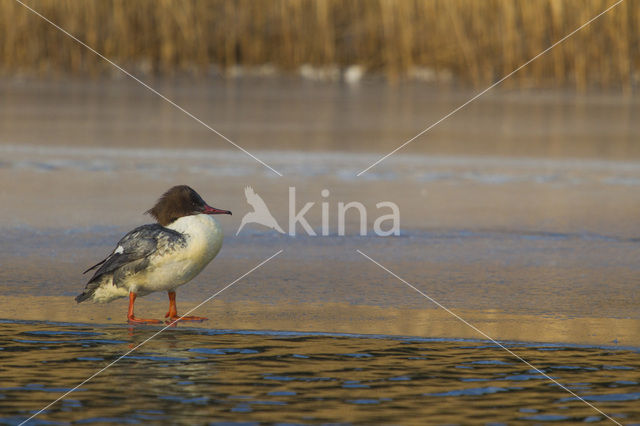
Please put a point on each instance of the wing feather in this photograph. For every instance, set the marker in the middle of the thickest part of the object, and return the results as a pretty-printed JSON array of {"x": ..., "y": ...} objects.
[
  {"x": 132, "y": 256},
  {"x": 137, "y": 246}
]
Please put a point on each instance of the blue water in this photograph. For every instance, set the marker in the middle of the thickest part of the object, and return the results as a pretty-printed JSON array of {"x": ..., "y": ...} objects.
[{"x": 198, "y": 376}]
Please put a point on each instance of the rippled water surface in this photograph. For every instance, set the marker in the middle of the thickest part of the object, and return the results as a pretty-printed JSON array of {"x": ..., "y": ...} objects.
[{"x": 219, "y": 376}]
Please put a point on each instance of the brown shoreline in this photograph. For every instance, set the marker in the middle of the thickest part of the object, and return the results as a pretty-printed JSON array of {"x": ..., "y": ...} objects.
[{"x": 347, "y": 318}]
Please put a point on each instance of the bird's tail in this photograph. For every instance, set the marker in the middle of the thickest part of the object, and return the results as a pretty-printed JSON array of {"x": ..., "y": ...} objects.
[
  {"x": 91, "y": 288},
  {"x": 84, "y": 296}
]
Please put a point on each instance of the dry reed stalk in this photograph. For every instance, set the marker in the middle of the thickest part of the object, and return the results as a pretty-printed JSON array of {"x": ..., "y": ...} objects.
[{"x": 476, "y": 41}]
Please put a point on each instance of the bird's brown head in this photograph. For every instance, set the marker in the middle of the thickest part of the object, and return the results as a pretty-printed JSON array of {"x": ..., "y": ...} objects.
[{"x": 180, "y": 201}]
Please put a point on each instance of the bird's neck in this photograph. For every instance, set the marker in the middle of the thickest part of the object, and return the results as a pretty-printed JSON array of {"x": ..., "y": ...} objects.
[{"x": 195, "y": 225}]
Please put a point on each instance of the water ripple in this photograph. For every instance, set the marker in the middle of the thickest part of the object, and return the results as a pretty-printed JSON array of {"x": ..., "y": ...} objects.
[{"x": 193, "y": 375}]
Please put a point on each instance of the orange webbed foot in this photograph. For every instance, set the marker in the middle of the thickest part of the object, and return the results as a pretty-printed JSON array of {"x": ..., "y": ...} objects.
[
  {"x": 172, "y": 315},
  {"x": 135, "y": 320},
  {"x": 187, "y": 318}
]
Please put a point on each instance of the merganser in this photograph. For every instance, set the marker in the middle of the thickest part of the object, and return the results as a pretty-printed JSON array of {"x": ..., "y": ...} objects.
[{"x": 160, "y": 256}]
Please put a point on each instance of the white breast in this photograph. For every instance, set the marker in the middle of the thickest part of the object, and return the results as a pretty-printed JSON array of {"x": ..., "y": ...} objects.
[{"x": 165, "y": 272}]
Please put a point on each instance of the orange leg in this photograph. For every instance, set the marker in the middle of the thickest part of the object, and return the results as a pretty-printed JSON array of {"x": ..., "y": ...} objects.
[
  {"x": 173, "y": 310},
  {"x": 132, "y": 318}
]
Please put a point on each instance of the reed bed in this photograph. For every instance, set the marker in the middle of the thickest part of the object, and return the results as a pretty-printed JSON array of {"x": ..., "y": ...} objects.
[{"x": 470, "y": 41}]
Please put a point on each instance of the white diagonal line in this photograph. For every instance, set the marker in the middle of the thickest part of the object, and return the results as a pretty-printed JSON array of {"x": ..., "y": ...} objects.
[
  {"x": 492, "y": 339},
  {"x": 491, "y": 87},
  {"x": 64, "y": 395},
  {"x": 148, "y": 87}
]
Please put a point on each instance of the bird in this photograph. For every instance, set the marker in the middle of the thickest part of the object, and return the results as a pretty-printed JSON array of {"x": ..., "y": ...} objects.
[
  {"x": 161, "y": 256},
  {"x": 260, "y": 214}
]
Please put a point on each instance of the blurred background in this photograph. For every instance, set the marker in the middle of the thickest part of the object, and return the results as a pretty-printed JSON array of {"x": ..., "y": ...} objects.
[
  {"x": 349, "y": 75},
  {"x": 446, "y": 41},
  {"x": 530, "y": 191}
]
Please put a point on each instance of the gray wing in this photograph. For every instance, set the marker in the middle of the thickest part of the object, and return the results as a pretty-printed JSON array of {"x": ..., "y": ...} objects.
[
  {"x": 132, "y": 253},
  {"x": 137, "y": 246}
]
